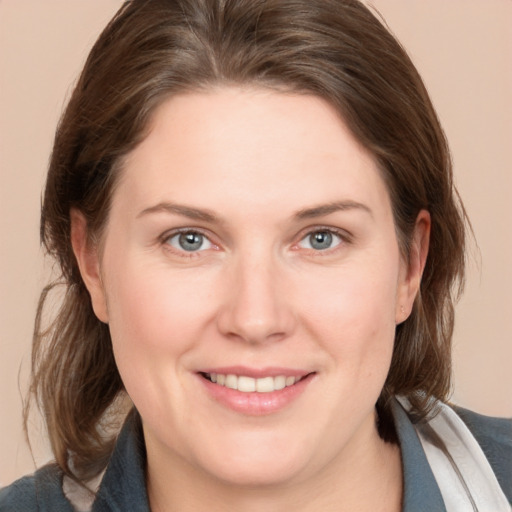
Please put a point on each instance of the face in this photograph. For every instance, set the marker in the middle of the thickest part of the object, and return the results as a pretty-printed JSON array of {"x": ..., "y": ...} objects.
[{"x": 252, "y": 281}]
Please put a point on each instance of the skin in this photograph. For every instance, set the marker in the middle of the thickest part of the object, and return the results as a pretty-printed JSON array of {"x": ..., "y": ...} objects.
[{"x": 256, "y": 294}]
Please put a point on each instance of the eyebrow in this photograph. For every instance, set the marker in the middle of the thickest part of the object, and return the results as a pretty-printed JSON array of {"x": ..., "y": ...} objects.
[
  {"x": 327, "y": 209},
  {"x": 209, "y": 216},
  {"x": 185, "y": 211}
]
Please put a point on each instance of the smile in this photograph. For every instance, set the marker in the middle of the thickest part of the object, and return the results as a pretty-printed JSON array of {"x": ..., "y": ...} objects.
[
  {"x": 255, "y": 392},
  {"x": 247, "y": 384}
]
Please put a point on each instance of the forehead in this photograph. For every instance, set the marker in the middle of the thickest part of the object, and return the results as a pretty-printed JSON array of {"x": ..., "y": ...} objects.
[{"x": 255, "y": 147}]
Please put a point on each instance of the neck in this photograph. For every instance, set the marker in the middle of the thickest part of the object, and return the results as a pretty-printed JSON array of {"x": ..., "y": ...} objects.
[{"x": 367, "y": 479}]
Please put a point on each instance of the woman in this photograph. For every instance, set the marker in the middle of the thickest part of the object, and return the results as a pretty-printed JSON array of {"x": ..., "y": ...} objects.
[{"x": 253, "y": 210}]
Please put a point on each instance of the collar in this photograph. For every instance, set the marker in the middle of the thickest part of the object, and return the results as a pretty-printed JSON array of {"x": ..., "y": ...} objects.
[
  {"x": 124, "y": 484},
  {"x": 421, "y": 492}
]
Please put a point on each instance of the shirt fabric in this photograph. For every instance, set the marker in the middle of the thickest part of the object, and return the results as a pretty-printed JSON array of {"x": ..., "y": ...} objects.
[{"x": 123, "y": 485}]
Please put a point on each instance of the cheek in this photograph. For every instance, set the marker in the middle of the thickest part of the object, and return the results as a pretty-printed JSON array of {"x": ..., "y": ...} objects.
[
  {"x": 353, "y": 314},
  {"x": 153, "y": 320},
  {"x": 154, "y": 325},
  {"x": 152, "y": 306}
]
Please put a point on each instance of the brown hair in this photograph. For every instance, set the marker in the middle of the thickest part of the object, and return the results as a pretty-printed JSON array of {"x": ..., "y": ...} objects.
[{"x": 335, "y": 49}]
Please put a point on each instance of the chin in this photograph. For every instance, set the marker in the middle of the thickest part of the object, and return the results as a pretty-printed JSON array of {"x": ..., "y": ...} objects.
[
  {"x": 257, "y": 464},
  {"x": 274, "y": 472}
]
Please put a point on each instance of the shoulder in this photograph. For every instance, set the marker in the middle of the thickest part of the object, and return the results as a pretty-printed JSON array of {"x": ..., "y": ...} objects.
[
  {"x": 40, "y": 492},
  {"x": 494, "y": 435},
  {"x": 21, "y": 495}
]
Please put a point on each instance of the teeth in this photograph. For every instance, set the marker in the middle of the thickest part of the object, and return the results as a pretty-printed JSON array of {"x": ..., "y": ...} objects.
[
  {"x": 249, "y": 385},
  {"x": 265, "y": 385},
  {"x": 231, "y": 382},
  {"x": 246, "y": 384},
  {"x": 280, "y": 382}
]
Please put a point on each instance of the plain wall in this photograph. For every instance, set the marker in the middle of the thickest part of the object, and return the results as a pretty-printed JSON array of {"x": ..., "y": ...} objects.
[{"x": 462, "y": 48}]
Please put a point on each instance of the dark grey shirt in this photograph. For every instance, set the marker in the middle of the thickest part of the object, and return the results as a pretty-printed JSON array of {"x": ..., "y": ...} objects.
[{"x": 123, "y": 486}]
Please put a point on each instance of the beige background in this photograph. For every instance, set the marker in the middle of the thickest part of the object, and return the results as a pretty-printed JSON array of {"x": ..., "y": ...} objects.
[{"x": 463, "y": 48}]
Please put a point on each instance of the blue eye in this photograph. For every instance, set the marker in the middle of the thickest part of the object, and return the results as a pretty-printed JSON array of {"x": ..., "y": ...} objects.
[
  {"x": 320, "y": 240},
  {"x": 189, "y": 241}
]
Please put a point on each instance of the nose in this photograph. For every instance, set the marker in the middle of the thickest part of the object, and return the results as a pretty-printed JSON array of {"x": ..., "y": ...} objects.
[{"x": 257, "y": 307}]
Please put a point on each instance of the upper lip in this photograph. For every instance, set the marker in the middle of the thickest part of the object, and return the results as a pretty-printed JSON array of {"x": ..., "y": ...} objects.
[{"x": 256, "y": 373}]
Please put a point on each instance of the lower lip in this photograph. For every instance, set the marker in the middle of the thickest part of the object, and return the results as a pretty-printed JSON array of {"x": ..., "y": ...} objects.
[{"x": 256, "y": 404}]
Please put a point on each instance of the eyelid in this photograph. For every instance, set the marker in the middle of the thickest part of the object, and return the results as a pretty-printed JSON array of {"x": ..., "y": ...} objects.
[
  {"x": 187, "y": 229},
  {"x": 164, "y": 238},
  {"x": 343, "y": 235}
]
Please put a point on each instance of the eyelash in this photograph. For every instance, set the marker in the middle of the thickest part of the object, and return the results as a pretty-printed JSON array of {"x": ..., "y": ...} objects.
[
  {"x": 166, "y": 237},
  {"x": 343, "y": 236}
]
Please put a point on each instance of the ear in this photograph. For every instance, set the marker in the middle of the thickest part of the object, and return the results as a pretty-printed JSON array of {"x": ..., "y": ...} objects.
[
  {"x": 412, "y": 270},
  {"x": 87, "y": 257}
]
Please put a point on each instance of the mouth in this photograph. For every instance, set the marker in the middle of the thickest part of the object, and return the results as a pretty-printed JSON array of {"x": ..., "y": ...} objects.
[
  {"x": 255, "y": 392},
  {"x": 246, "y": 384}
]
